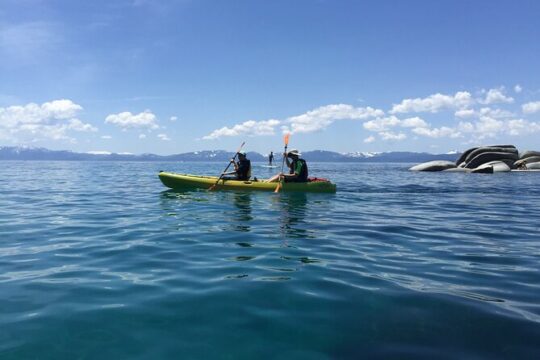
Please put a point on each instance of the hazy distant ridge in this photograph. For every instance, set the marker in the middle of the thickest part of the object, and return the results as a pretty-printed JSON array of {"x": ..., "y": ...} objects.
[{"x": 27, "y": 153}]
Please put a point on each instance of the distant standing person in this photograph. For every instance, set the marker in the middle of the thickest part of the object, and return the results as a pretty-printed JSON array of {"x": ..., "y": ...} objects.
[
  {"x": 298, "y": 170},
  {"x": 242, "y": 168},
  {"x": 270, "y": 158}
]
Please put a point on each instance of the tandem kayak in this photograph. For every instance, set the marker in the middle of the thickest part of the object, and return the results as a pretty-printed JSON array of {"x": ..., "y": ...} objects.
[{"x": 186, "y": 181}]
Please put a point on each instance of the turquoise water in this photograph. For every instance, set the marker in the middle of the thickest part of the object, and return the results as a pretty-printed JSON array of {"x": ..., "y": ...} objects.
[{"x": 99, "y": 260}]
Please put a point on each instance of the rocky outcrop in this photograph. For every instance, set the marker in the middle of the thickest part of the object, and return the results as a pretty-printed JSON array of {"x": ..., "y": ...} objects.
[{"x": 486, "y": 159}]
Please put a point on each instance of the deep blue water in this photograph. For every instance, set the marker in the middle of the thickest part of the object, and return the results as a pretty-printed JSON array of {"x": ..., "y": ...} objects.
[{"x": 99, "y": 260}]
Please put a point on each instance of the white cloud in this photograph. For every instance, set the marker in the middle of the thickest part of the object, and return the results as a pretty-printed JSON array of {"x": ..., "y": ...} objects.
[
  {"x": 106, "y": 137},
  {"x": 443, "y": 131},
  {"x": 434, "y": 103},
  {"x": 387, "y": 135},
  {"x": 414, "y": 122},
  {"x": 324, "y": 116},
  {"x": 465, "y": 113},
  {"x": 163, "y": 137},
  {"x": 142, "y": 136},
  {"x": 381, "y": 124},
  {"x": 314, "y": 120},
  {"x": 494, "y": 96},
  {"x": 249, "y": 128},
  {"x": 50, "y": 120},
  {"x": 518, "y": 127},
  {"x": 369, "y": 139},
  {"x": 78, "y": 125},
  {"x": 488, "y": 127},
  {"x": 126, "y": 120},
  {"x": 518, "y": 89},
  {"x": 531, "y": 107},
  {"x": 173, "y": 118}
]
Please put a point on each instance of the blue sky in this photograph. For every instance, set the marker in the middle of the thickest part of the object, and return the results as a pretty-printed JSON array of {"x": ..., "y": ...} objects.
[{"x": 174, "y": 76}]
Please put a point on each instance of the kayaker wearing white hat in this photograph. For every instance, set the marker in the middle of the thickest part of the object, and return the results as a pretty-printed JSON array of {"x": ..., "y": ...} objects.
[
  {"x": 298, "y": 168},
  {"x": 242, "y": 168}
]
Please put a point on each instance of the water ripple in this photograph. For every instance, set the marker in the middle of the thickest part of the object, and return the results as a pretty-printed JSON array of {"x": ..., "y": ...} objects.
[{"x": 97, "y": 259}]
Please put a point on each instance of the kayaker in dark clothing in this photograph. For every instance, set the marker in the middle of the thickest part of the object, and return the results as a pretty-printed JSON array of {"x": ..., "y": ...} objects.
[
  {"x": 270, "y": 158},
  {"x": 242, "y": 168},
  {"x": 298, "y": 169}
]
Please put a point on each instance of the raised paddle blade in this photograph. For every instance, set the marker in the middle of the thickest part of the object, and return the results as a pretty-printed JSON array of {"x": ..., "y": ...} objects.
[{"x": 286, "y": 141}]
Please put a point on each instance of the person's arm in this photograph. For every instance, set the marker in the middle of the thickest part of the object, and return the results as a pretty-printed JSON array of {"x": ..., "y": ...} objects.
[
  {"x": 235, "y": 168},
  {"x": 287, "y": 160},
  {"x": 296, "y": 172}
]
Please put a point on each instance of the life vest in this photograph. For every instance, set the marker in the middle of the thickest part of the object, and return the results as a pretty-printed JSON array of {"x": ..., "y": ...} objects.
[
  {"x": 244, "y": 170},
  {"x": 303, "y": 175}
]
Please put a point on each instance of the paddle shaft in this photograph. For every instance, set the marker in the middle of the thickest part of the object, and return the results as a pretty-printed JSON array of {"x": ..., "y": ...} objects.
[
  {"x": 278, "y": 187},
  {"x": 227, "y": 168}
]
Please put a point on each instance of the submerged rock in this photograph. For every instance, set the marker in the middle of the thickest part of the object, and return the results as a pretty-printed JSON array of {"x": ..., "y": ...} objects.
[{"x": 437, "y": 165}]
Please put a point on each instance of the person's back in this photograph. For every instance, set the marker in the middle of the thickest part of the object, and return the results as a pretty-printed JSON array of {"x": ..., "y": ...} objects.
[
  {"x": 244, "y": 169},
  {"x": 300, "y": 169}
]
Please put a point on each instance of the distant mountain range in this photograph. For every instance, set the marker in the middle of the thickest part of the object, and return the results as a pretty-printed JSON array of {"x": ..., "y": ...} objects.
[{"x": 29, "y": 153}]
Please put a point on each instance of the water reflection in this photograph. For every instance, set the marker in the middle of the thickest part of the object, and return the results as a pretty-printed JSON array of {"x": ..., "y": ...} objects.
[
  {"x": 293, "y": 214},
  {"x": 242, "y": 215}
]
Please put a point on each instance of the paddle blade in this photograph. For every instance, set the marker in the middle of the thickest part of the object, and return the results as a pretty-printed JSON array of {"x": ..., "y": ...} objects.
[{"x": 286, "y": 139}]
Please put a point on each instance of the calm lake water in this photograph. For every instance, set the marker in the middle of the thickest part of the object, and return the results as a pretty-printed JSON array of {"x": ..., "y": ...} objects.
[{"x": 99, "y": 260}]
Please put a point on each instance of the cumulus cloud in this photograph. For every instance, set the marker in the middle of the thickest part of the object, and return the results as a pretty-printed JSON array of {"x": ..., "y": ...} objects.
[
  {"x": 249, "y": 128},
  {"x": 50, "y": 120},
  {"x": 127, "y": 120},
  {"x": 106, "y": 137},
  {"x": 163, "y": 137},
  {"x": 314, "y": 120},
  {"x": 518, "y": 127},
  {"x": 465, "y": 113},
  {"x": 324, "y": 116},
  {"x": 531, "y": 107},
  {"x": 518, "y": 89},
  {"x": 495, "y": 96},
  {"x": 388, "y": 135},
  {"x": 488, "y": 127},
  {"x": 142, "y": 136},
  {"x": 173, "y": 118},
  {"x": 443, "y": 131},
  {"x": 414, "y": 122},
  {"x": 434, "y": 103},
  {"x": 381, "y": 124}
]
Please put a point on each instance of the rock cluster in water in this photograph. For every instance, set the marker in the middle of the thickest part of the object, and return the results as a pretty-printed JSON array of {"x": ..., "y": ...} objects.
[{"x": 486, "y": 159}]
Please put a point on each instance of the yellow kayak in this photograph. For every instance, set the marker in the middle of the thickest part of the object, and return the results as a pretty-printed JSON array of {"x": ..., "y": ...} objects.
[{"x": 186, "y": 181}]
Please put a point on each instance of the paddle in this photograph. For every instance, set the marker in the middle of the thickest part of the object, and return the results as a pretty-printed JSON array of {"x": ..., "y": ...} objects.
[
  {"x": 286, "y": 141},
  {"x": 227, "y": 168}
]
